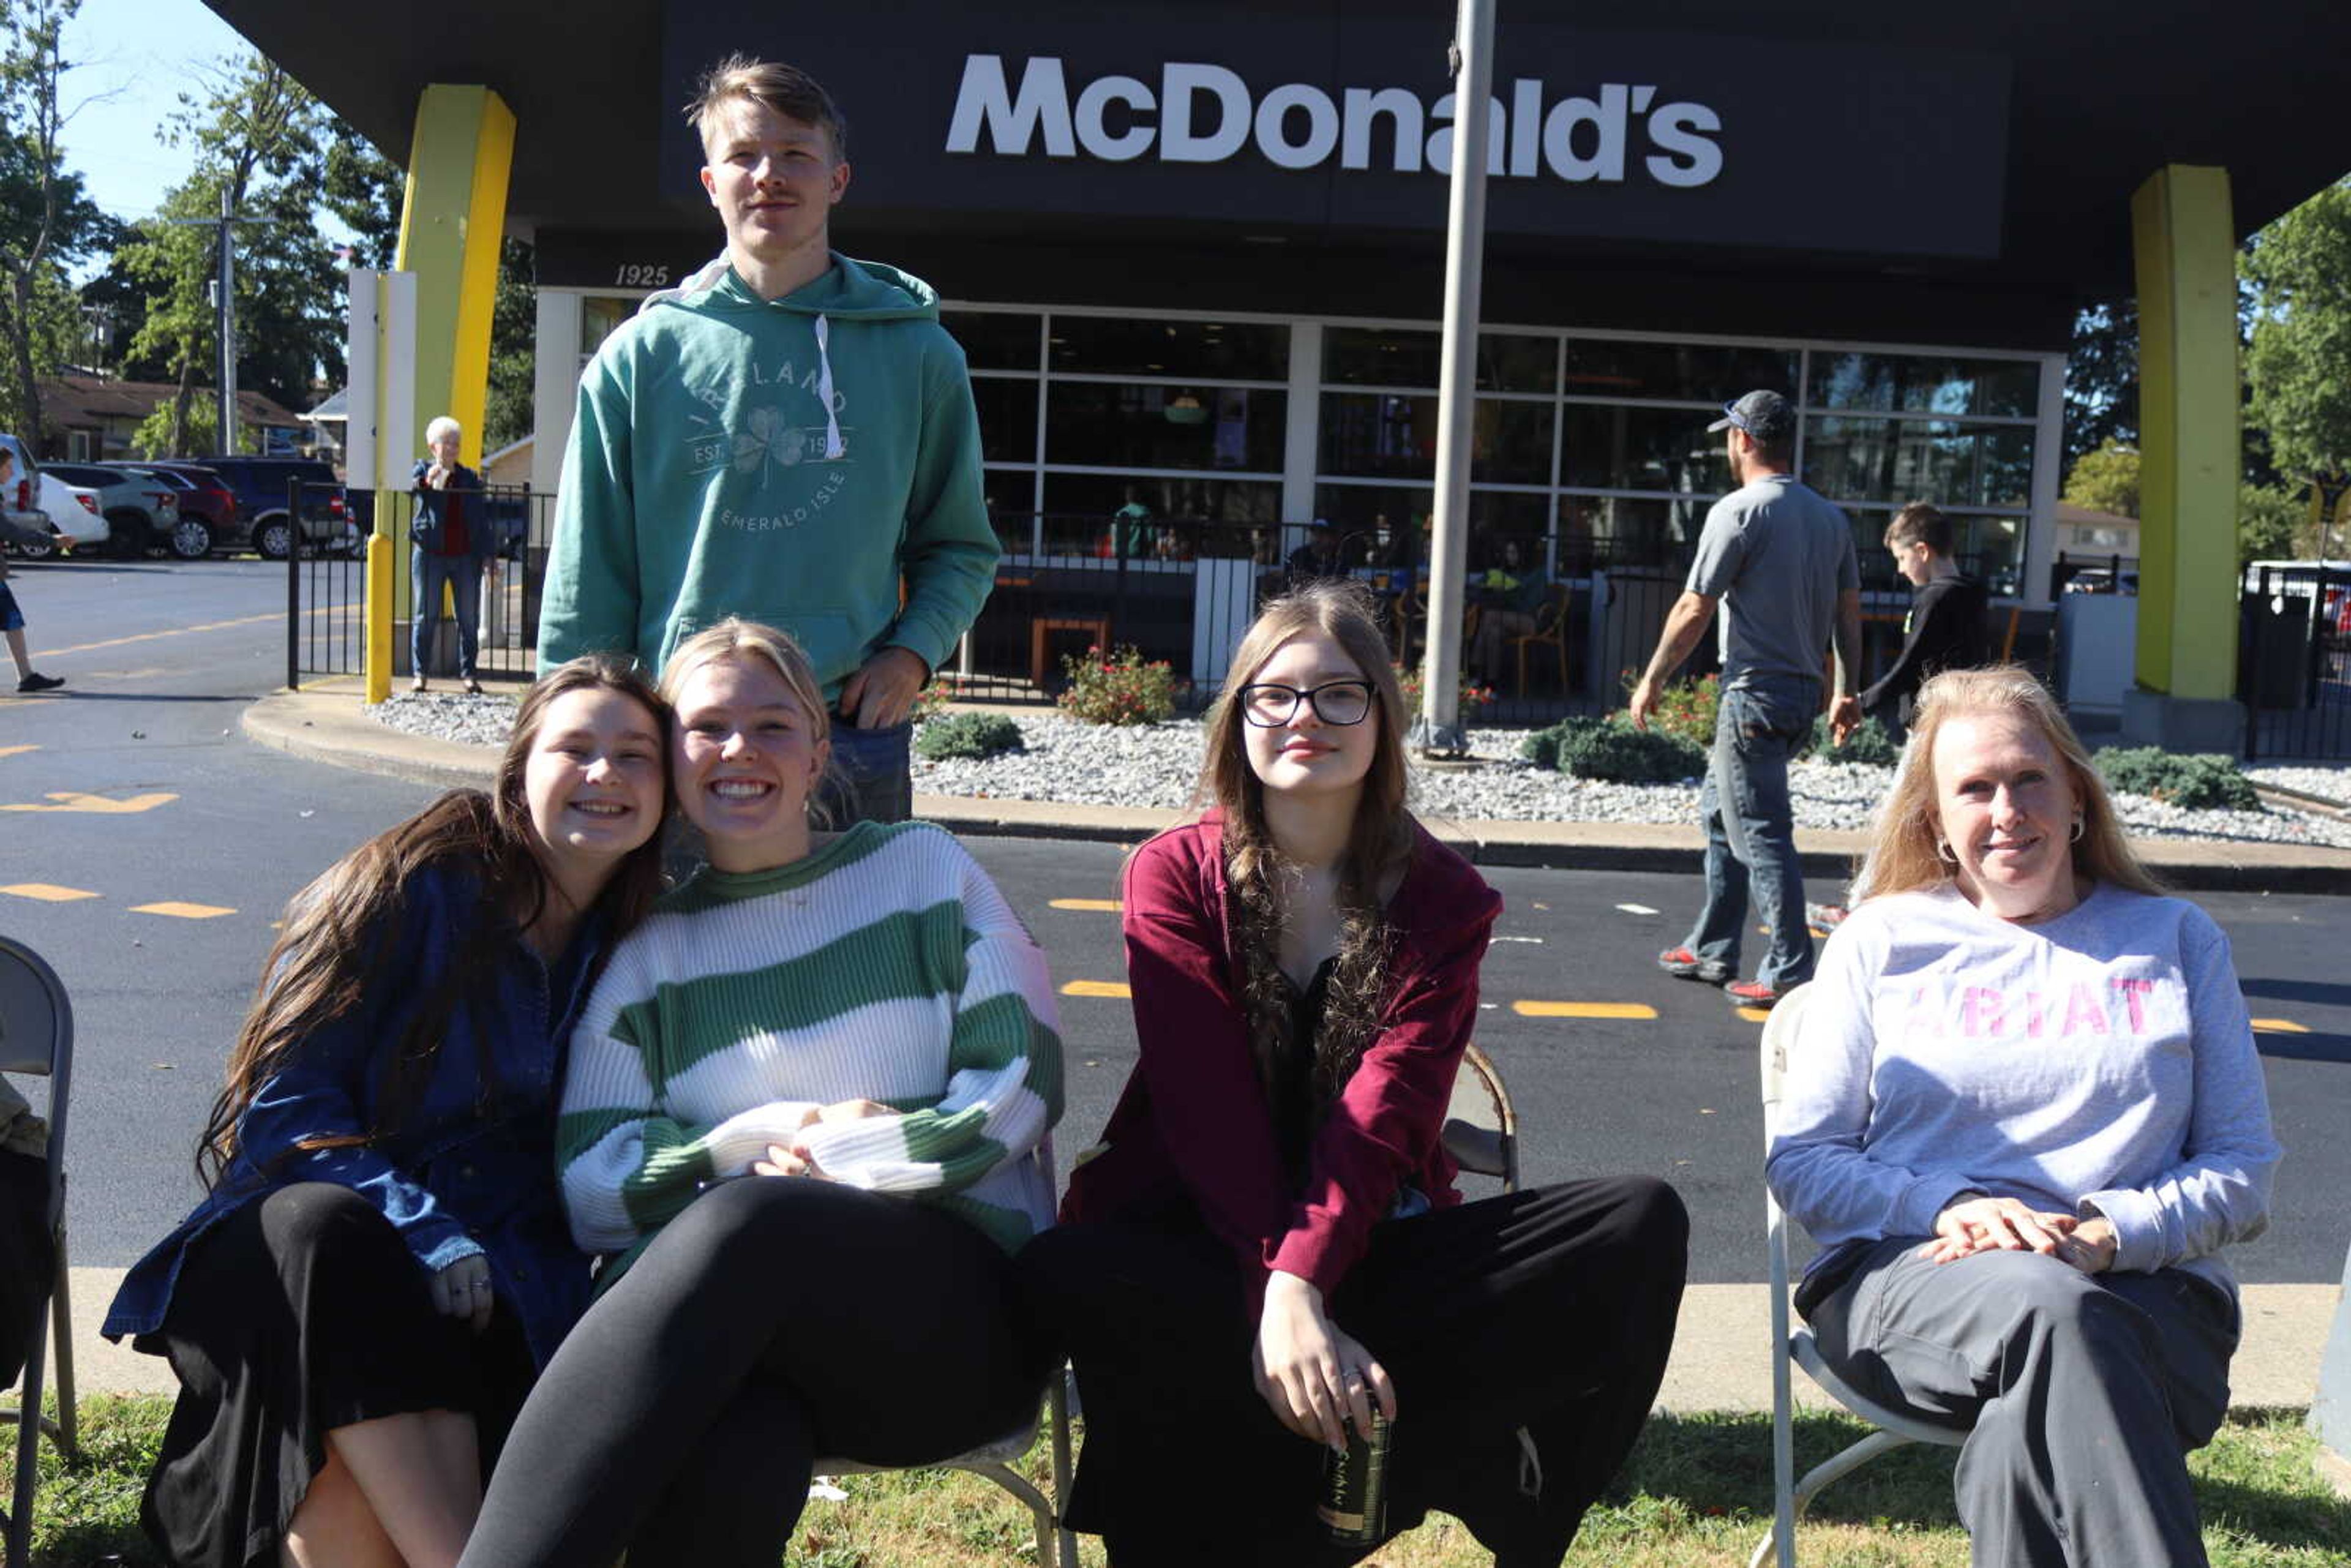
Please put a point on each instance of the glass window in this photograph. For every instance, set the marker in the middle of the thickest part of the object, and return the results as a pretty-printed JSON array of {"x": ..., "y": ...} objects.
[
  {"x": 1697, "y": 373},
  {"x": 599, "y": 316},
  {"x": 995, "y": 340},
  {"x": 1122, "y": 345},
  {"x": 1389, "y": 435},
  {"x": 1935, "y": 460},
  {"x": 1637, "y": 448},
  {"x": 1385, "y": 357},
  {"x": 1079, "y": 508},
  {"x": 1105, "y": 425},
  {"x": 1923, "y": 384},
  {"x": 1381, "y": 525},
  {"x": 1008, "y": 418},
  {"x": 1609, "y": 531}
]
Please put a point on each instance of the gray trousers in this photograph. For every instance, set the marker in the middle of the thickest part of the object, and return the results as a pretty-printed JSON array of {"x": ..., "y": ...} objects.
[{"x": 2084, "y": 1393}]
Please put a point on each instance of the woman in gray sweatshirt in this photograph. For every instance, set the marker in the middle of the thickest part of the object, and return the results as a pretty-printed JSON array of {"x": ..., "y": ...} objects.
[{"x": 2023, "y": 1118}]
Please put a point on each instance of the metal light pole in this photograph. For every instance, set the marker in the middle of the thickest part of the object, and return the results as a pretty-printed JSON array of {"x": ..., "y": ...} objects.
[
  {"x": 1438, "y": 731},
  {"x": 225, "y": 304}
]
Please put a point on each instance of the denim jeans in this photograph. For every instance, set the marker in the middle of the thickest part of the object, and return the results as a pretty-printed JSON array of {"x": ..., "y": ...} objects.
[
  {"x": 872, "y": 777},
  {"x": 463, "y": 573},
  {"x": 1751, "y": 828}
]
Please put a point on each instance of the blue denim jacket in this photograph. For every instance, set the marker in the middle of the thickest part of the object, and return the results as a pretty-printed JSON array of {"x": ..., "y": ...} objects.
[
  {"x": 455, "y": 1179},
  {"x": 426, "y": 524}
]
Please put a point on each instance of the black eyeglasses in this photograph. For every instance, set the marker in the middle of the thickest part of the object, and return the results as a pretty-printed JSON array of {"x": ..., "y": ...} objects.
[{"x": 1267, "y": 706}]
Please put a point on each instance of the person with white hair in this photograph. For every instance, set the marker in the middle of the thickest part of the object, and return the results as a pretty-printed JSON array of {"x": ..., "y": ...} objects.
[{"x": 452, "y": 535}]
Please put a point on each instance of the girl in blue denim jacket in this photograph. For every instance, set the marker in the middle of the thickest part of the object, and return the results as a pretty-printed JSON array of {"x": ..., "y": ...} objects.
[{"x": 357, "y": 1308}]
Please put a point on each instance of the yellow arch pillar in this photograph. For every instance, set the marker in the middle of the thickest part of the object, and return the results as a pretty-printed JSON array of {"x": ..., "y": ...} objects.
[
  {"x": 2184, "y": 235},
  {"x": 451, "y": 223}
]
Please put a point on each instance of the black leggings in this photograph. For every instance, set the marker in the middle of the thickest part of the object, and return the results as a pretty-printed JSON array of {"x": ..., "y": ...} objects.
[
  {"x": 773, "y": 1321},
  {"x": 1551, "y": 1309}
]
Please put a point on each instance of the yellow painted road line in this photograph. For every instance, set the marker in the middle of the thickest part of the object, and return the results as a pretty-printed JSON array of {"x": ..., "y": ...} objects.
[
  {"x": 1115, "y": 989},
  {"x": 1753, "y": 1015},
  {"x": 2260, "y": 1026},
  {"x": 48, "y": 892},
  {"x": 187, "y": 631},
  {"x": 14, "y": 750},
  {"x": 1583, "y": 1009},
  {"x": 1094, "y": 905},
  {"x": 183, "y": 911},
  {"x": 96, "y": 805}
]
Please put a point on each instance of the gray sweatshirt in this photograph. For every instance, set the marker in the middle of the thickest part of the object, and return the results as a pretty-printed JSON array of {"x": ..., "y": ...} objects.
[{"x": 2101, "y": 1062}]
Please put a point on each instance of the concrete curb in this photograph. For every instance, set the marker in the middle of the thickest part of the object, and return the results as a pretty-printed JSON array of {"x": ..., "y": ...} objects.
[{"x": 326, "y": 723}]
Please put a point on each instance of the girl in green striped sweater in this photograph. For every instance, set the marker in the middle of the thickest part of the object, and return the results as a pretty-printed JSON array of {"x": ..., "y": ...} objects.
[{"x": 859, "y": 1027}]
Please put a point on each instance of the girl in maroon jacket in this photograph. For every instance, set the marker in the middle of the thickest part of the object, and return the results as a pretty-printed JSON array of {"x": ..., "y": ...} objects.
[{"x": 1267, "y": 1243}]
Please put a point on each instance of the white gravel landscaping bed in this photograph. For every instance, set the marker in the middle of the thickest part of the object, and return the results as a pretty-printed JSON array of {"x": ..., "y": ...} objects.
[
  {"x": 1156, "y": 765},
  {"x": 2327, "y": 783}
]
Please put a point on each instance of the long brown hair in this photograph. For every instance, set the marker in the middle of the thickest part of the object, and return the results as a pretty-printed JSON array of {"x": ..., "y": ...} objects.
[
  {"x": 1904, "y": 853},
  {"x": 335, "y": 948},
  {"x": 1379, "y": 840}
]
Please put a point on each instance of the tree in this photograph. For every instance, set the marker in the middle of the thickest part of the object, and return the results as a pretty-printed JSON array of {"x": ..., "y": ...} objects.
[
  {"x": 46, "y": 220},
  {"x": 2298, "y": 276},
  {"x": 2101, "y": 379},
  {"x": 257, "y": 136},
  {"x": 2269, "y": 523},
  {"x": 364, "y": 189},
  {"x": 2105, "y": 480},
  {"x": 514, "y": 339}
]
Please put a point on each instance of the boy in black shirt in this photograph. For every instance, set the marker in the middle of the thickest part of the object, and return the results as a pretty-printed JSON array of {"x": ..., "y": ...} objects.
[{"x": 1945, "y": 629}]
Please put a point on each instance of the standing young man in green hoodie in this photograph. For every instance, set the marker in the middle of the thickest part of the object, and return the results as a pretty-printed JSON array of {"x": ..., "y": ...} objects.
[{"x": 786, "y": 437}]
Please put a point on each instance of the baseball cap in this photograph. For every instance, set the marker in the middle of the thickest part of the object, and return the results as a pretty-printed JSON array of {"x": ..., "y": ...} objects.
[{"x": 1765, "y": 415}]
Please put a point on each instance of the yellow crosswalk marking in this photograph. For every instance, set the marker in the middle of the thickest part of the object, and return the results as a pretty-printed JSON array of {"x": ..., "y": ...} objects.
[
  {"x": 96, "y": 805},
  {"x": 17, "y": 750},
  {"x": 1096, "y": 905},
  {"x": 2260, "y": 1026},
  {"x": 1116, "y": 988},
  {"x": 1583, "y": 1009},
  {"x": 181, "y": 910},
  {"x": 47, "y": 892}
]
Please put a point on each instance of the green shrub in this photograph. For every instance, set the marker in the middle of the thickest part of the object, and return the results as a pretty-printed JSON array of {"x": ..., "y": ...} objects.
[
  {"x": 1684, "y": 709},
  {"x": 2194, "y": 781},
  {"x": 1118, "y": 687},
  {"x": 973, "y": 734},
  {"x": 1870, "y": 744},
  {"x": 1612, "y": 750}
]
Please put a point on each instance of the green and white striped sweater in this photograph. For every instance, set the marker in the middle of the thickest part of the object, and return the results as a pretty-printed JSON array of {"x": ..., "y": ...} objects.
[{"x": 884, "y": 967}]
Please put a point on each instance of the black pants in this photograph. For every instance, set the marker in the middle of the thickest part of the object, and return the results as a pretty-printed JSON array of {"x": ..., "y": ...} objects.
[
  {"x": 300, "y": 1314},
  {"x": 1551, "y": 1309},
  {"x": 774, "y": 1322}
]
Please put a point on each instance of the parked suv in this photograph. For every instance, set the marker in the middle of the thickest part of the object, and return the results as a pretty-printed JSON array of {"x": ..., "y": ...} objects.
[
  {"x": 140, "y": 509},
  {"x": 207, "y": 508},
  {"x": 259, "y": 484}
]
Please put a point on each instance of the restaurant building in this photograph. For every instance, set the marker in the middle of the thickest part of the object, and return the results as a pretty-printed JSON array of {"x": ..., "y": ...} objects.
[{"x": 1195, "y": 252}]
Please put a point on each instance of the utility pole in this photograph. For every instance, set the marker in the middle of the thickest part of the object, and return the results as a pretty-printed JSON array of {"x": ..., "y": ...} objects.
[{"x": 224, "y": 229}]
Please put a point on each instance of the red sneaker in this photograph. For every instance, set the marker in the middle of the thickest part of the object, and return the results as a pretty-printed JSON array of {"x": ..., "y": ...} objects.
[
  {"x": 1685, "y": 965},
  {"x": 1752, "y": 994}
]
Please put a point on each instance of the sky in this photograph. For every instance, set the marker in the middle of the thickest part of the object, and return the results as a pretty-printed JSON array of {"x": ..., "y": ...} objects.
[{"x": 133, "y": 58}]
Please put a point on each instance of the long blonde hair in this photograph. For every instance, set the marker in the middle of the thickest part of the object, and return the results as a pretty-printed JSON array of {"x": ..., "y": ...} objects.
[
  {"x": 1905, "y": 854},
  {"x": 1379, "y": 840}
]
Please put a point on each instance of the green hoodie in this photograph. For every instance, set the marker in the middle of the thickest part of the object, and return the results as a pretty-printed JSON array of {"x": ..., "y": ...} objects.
[{"x": 784, "y": 461}]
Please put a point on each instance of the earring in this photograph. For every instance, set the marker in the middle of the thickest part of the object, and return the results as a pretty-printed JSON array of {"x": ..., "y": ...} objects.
[
  {"x": 2079, "y": 828},
  {"x": 1944, "y": 853}
]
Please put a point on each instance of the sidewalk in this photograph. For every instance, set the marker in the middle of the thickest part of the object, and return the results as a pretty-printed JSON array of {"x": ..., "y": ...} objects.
[{"x": 326, "y": 723}]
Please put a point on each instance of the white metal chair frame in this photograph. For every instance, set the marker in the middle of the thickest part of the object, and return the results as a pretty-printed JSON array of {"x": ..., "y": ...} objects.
[
  {"x": 1056, "y": 1546},
  {"x": 1482, "y": 1125},
  {"x": 1790, "y": 1496},
  {"x": 36, "y": 1040}
]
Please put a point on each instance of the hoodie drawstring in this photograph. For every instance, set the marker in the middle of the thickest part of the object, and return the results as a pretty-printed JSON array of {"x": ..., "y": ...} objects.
[{"x": 833, "y": 446}]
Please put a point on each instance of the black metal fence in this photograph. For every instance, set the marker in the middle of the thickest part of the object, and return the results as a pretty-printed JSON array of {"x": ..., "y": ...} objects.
[
  {"x": 2293, "y": 660},
  {"x": 326, "y": 589},
  {"x": 1553, "y": 626}
]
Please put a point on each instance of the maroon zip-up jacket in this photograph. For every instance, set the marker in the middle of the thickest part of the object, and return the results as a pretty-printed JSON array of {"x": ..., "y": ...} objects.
[{"x": 1193, "y": 1122}]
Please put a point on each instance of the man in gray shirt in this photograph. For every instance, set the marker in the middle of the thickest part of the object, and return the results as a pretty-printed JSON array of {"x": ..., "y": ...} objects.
[{"x": 1779, "y": 559}]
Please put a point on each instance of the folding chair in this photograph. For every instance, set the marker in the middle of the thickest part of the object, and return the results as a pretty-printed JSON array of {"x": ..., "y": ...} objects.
[
  {"x": 1550, "y": 631},
  {"x": 1481, "y": 1127},
  {"x": 1056, "y": 1547},
  {"x": 1791, "y": 1497},
  {"x": 37, "y": 1039}
]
